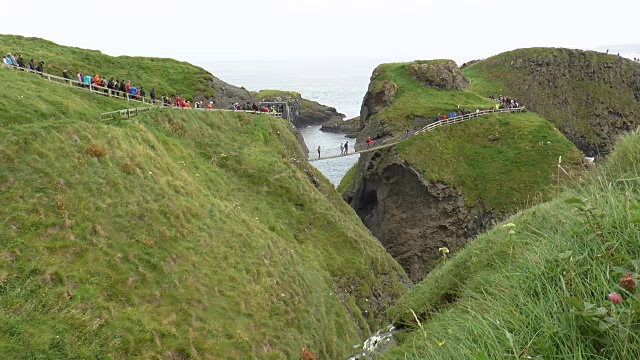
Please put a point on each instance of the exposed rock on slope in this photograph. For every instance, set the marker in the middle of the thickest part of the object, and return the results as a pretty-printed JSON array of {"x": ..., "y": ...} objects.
[
  {"x": 591, "y": 97},
  {"x": 442, "y": 74},
  {"x": 337, "y": 125},
  {"x": 412, "y": 217}
]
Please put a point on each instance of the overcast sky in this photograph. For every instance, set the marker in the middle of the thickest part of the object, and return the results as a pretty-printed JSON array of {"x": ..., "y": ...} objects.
[{"x": 202, "y": 31}]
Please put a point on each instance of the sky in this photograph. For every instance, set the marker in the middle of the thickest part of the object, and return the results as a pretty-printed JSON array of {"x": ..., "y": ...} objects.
[{"x": 393, "y": 30}]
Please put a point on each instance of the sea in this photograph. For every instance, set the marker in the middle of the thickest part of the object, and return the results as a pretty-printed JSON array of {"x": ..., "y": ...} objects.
[{"x": 341, "y": 84}]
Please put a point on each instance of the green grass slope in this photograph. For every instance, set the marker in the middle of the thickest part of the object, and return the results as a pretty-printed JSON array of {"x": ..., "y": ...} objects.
[
  {"x": 177, "y": 235},
  {"x": 165, "y": 75},
  {"x": 414, "y": 100},
  {"x": 26, "y": 98},
  {"x": 507, "y": 161},
  {"x": 589, "y": 96},
  {"x": 538, "y": 289}
]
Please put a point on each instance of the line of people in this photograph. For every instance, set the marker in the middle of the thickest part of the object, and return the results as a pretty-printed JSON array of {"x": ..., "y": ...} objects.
[
  {"x": 10, "y": 60},
  {"x": 122, "y": 88}
]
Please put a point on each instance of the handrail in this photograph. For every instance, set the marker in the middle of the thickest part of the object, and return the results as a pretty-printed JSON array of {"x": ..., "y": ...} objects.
[
  {"x": 128, "y": 113},
  {"x": 391, "y": 140},
  {"x": 96, "y": 89},
  {"x": 114, "y": 94}
]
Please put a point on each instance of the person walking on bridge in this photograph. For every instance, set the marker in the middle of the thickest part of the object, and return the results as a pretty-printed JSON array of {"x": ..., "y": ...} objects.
[
  {"x": 341, "y": 149},
  {"x": 346, "y": 147},
  {"x": 318, "y": 152}
]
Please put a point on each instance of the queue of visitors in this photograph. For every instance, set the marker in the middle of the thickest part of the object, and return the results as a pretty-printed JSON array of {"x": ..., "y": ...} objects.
[
  {"x": 506, "y": 102},
  {"x": 126, "y": 89}
]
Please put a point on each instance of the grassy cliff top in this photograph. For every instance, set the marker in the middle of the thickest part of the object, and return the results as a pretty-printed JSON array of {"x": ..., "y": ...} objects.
[
  {"x": 415, "y": 100},
  {"x": 539, "y": 288},
  {"x": 272, "y": 94},
  {"x": 178, "y": 234},
  {"x": 507, "y": 161},
  {"x": 585, "y": 94},
  {"x": 165, "y": 75}
]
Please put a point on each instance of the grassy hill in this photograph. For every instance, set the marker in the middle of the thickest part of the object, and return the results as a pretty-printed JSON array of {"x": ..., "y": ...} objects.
[
  {"x": 591, "y": 97},
  {"x": 537, "y": 287},
  {"x": 165, "y": 75},
  {"x": 25, "y": 99},
  {"x": 507, "y": 161},
  {"x": 415, "y": 100},
  {"x": 177, "y": 235}
]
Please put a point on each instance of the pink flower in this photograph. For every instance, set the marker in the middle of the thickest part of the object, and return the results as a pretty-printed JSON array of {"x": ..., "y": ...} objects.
[{"x": 615, "y": 297}]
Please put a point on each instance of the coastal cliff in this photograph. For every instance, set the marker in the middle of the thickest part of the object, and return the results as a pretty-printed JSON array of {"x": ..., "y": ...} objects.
[
  {"x": 444, "y": 187},
  {"x": 591, "y": 97}
]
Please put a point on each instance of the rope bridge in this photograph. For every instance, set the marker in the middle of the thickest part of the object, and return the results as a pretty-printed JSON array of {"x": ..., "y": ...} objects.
[{"x": 392, "y": 140}]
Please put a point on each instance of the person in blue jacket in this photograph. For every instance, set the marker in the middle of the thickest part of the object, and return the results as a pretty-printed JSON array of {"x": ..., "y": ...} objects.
[
  {"x": 8, "y": 60},
  {"x": 87, "y": 80}
]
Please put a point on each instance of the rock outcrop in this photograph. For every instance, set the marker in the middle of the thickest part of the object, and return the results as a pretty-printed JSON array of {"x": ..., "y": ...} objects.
[
  {"x": 440, "y": 74},
  {"x": 591, "y": 97},
  {"x": 337, "y": 125},
  {"x": 303, "y": 112},
  {"x": 412, "y": 217}
]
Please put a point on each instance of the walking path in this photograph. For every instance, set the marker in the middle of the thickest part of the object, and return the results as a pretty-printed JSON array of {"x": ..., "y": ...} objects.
[
  {"x": 395, "y": 139},
  {"x": 124, "y": 113},
  {"x": 359, "y": 148}
]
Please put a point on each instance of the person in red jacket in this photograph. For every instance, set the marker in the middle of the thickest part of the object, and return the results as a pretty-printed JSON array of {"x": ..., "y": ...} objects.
[
  {"x": 369, "y": 142},
  {"x": 210, "y": 106}
]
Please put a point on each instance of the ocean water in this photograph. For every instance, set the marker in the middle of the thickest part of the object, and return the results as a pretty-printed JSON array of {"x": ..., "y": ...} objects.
[{"x": 340, "y": 84}]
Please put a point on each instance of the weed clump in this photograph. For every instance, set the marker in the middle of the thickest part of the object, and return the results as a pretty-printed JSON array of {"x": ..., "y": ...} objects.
[
  {"x": 97, "y": 151},
  {"x": 128, "y": 168}
]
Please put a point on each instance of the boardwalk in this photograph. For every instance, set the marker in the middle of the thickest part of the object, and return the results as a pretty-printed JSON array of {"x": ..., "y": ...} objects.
[{"x": 395, "y": 139}]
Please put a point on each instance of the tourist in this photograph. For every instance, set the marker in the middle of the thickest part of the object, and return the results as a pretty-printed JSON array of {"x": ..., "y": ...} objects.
[
  {"x": 153, "y": 96},
  {"x": 341, "y": 149},
  {"x": 210, "y": 106},
  {"x": 40, "y": 67},
  {"x": 369, "y": 142},
  {"x": 406, "y": 133},
  {"x": 79, "y": 76},
  {"x": 123, "y": 89},
  {"x": 87, "y": 80},
  {"x": 254, "y": 107},
  {"x": 65, "y": 75},
  {"x": 21, "y": 61},
  {"x": 96, "y": 80},
  {"x": 143, "y": 93},
  {"x": 31, "y": 65},
  {"x": 7, "y": 60},
  {"x": 14, "y": 61},
  {"x": 127, "y": 87},
  {"x": 318, "y": 152},
  {"x": 346, "y": 147}
]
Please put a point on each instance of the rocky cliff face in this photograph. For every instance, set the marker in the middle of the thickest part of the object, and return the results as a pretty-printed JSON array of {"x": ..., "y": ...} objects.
[
  {"x": 412, "y": 217},
  {"x": 591, "y": 97}
]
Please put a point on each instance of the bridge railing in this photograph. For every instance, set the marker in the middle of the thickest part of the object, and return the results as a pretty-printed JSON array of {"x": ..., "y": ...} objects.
[{"x": 394, "y": 139}]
